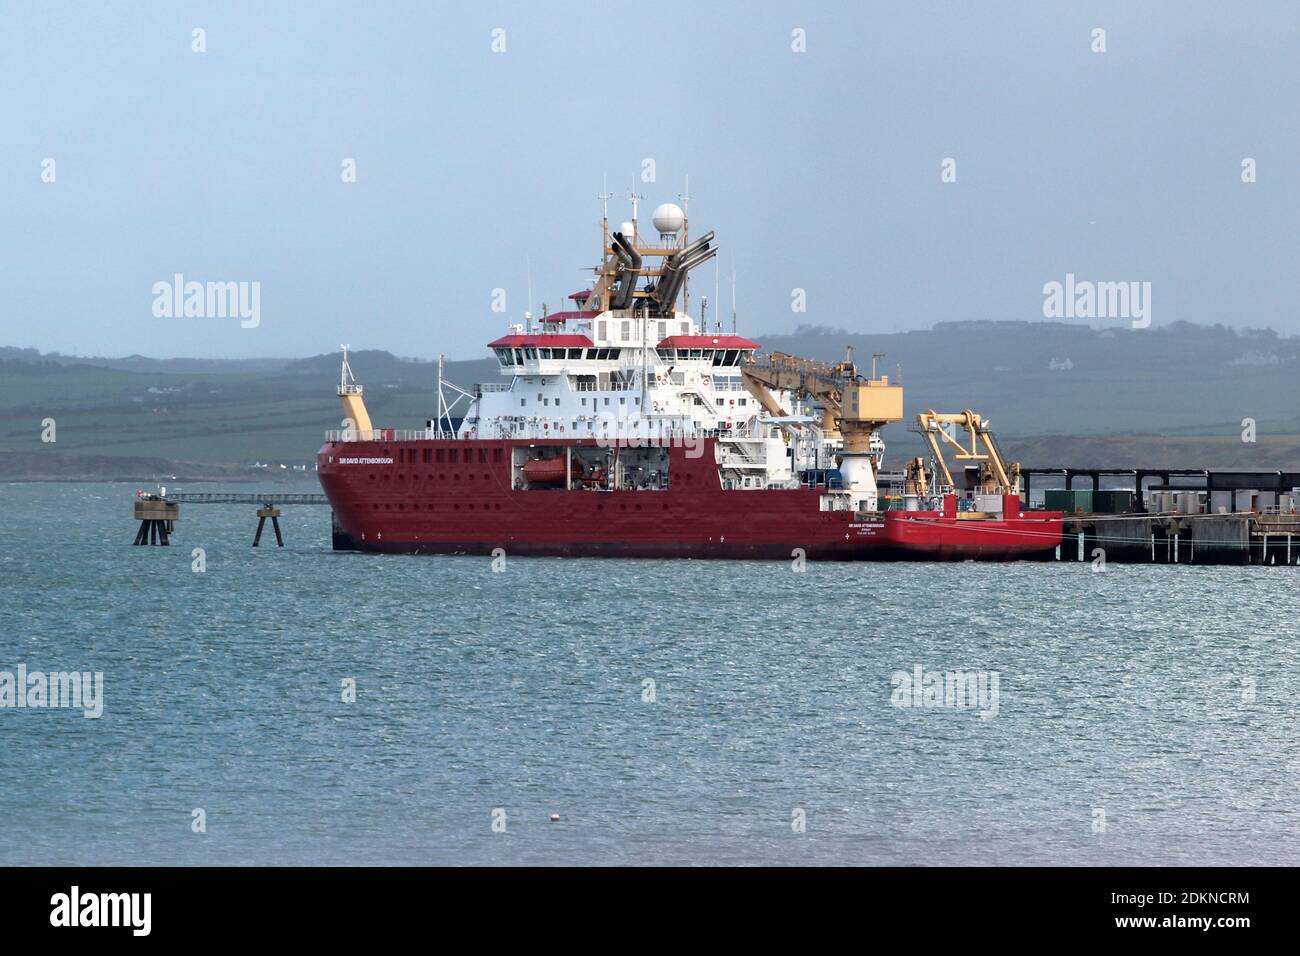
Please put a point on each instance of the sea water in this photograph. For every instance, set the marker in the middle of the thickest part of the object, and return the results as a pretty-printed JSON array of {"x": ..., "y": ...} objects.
[{"x": 302, "y": 706}]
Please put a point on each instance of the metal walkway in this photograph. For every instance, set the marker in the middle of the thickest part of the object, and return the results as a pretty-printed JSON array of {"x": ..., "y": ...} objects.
[{"x": 202, "y": 498}]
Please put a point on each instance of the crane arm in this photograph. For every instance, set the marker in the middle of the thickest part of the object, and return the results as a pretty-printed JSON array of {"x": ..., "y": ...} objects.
[{"x": 929, "y": 422}]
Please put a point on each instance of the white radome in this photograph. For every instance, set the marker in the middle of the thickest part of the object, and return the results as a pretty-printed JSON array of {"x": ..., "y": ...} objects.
[
  {"x": 628, "y": 231},
  {"x": 669, "y": 218}
]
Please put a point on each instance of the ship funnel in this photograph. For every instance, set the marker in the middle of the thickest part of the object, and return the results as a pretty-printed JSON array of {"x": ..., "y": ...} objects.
[
  {"x": 679, "y": 264},
  {"x": 630, "y": 260}
]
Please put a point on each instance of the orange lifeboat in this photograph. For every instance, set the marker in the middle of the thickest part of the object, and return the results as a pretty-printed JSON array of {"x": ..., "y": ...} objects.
[{"x": 549, "y": 471}]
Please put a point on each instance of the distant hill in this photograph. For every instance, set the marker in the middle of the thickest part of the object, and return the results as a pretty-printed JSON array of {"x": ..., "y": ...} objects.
[
  {"x": 1056, "y": 393},
  {"x": 1044, "y": 378}
]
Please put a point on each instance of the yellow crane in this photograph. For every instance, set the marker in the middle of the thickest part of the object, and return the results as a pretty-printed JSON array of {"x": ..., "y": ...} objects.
[
  {"x": 853, "y": 407},
  {"x": 356, "y": 419},
  {"x": 996, "y": 476}
]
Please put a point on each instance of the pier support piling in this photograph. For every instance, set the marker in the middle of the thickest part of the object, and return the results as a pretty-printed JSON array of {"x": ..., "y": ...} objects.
[
  {"x": 274, "y": 514},
  {"x": 157, "y": 521}
]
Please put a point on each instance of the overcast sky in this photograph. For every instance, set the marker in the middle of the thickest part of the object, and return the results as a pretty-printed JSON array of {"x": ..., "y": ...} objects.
[{"x": 819, "y": 170}]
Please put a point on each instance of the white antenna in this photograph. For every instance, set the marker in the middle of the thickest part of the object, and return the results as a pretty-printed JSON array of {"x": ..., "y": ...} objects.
[
  {"x": 631, "y": 194},
  {"x": 528, "y": 265},
  {"x": 733, "y": 295},
  {"x": 685, "y": 197},
  {"x": 604, "y": 197},
  {"x": 717, "y": 298},
  {"x": 347, "y": 383}
]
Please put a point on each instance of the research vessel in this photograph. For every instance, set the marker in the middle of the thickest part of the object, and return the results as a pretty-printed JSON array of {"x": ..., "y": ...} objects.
[{"x": 626, "y": 427}]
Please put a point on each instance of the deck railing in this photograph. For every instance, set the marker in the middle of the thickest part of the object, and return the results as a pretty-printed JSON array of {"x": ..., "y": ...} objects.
[
  {"x": 531, "y": 432},
  {"x": 389, "y": 434}
]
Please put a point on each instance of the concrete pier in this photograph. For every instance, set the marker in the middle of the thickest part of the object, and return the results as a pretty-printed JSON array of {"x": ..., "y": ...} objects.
[{"x": 1204, "y": 539}]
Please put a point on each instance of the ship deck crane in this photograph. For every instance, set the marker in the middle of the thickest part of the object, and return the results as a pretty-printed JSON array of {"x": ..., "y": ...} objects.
[
  {"x": 356, "y": 419},
  {"x": 854, "y": 408},
  {"x": 996, "y": 476}
]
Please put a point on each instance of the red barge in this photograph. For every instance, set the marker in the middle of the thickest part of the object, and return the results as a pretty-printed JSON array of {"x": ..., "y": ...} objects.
[{"x": 628, "y": 429}]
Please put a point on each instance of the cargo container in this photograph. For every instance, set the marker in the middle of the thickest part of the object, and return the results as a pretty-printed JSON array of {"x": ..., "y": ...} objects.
[
  {"x": 1070, "y": 501},
  {"x": 1113, "y": 501}
]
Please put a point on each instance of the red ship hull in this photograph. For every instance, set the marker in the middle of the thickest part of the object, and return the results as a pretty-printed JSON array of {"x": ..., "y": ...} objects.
[{"x": 415, "y": 497}]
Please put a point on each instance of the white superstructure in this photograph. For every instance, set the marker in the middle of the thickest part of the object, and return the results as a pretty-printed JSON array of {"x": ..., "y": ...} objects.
[{"x": 628, "y": 366}]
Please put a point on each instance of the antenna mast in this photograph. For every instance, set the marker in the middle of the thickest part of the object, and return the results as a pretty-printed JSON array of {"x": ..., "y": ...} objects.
[
  {"x": 604, "y": 197},
  {"x": 733, "y": 295},
  {"x": 636, "y": 229},
  {"x": 685, "y": 197},
  {"x": 528, "y": 268},
  {"x": 717, "y": 299}
]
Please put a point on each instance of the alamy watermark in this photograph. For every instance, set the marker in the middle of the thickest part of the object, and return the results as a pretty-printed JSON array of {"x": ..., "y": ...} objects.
[
  {"x": 625, "y": 434},
  {"x": 208, "y": 300},
  {"x": 38, "y": 690},
  {"x": 958, "y": 690},
  {"x": 1084, "y": 299}
]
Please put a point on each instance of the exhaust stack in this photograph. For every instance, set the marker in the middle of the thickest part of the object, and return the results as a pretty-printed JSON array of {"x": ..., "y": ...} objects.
[
  {"x": 675, "y": 269},
  {"x": 630, "y": 260}
]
